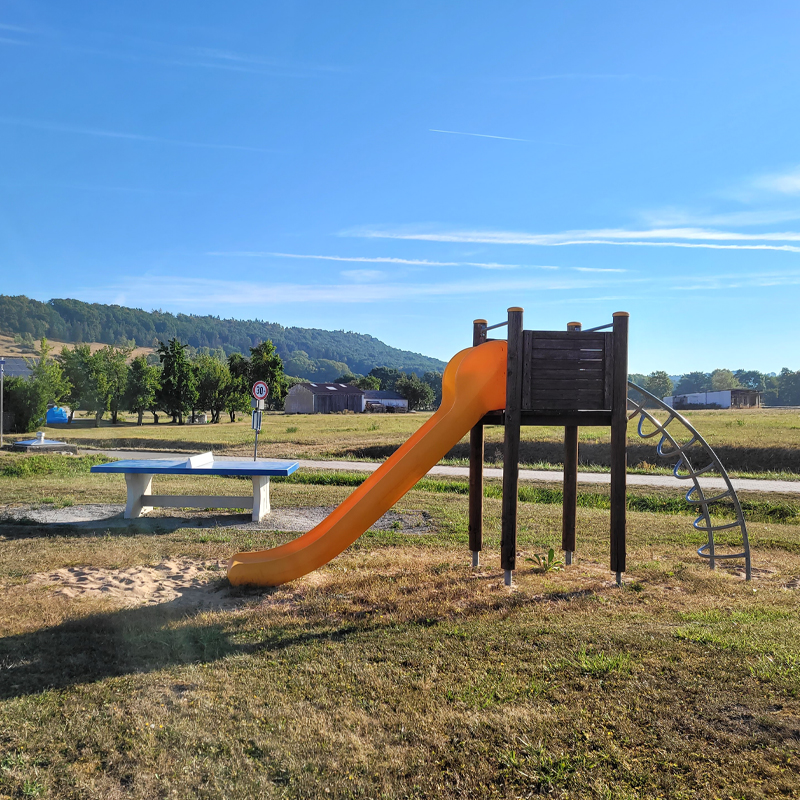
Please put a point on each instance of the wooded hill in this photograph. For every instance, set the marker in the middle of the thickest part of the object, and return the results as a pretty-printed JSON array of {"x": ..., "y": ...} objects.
[{"x": 309, "y": 353}]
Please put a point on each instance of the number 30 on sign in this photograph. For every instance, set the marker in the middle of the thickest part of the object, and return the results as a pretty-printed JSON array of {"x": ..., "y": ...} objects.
[{"x": 260, "y": 390}]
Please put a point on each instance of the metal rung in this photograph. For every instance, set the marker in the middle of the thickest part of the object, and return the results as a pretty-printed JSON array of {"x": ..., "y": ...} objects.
[
  {"x": 717, "y": 555},
  {"x": 713, "y": 528},
  {"x": 706, "y": 500},
  {"x": 693, "y": 473},
  {"x": 679, "y": 448}
]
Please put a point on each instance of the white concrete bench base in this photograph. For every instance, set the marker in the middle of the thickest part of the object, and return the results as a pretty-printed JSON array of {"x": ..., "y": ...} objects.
[{"x": 141, "y": 499}]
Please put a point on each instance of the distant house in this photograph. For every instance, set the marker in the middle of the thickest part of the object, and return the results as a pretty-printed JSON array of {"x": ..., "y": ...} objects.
[
  {"x": 378, "y": 400},
  {"x": 323, "y": 398},
  {"x": 727, "y": 398}
]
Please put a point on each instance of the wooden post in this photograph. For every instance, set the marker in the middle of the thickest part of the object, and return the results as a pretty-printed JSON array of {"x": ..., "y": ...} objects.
[
  {"x": 619, "y": 429},
  {"x": 476, "y": 467},
  {"x": 508, "y": 539},
  {"x": 569, "y": 519}
]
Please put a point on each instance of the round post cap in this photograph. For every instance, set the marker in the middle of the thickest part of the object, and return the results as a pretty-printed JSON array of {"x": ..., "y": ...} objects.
[{"x": 620, "y": 314}]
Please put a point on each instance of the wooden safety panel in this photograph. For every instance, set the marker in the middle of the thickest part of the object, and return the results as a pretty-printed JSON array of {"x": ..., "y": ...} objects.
[{"x": 566, "y": 370}]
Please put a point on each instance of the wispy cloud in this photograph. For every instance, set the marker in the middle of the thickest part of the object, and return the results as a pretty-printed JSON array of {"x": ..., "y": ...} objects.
[
  {"x": 670, "y": 217},
  {"x": 481, "y": 135},
  {"x": 196, "y": 291},
  {"x": 575, "y": 76},
  {"x": 137, "y": 137},
  {"x": 414, "y": 262},
  {"x": 88, "y": 187},
  {"x": 137, "y": 49},
  {"x": 213, "y": 58},
  {"x": 597, "y": 269},
  {"x": 363, "y": 275},
  {"x": 784, "y": 183},
  {"x": 6, "y": 40},
  {"x": 656, "y": 237}
]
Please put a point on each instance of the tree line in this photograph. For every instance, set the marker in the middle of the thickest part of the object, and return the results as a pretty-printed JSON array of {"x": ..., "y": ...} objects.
[
  {"x": 174, "y": 382},
  {"x": 309, "y": 353},
  {"x": 776, "y": 390},
  {"x": 105, "y": 382}
]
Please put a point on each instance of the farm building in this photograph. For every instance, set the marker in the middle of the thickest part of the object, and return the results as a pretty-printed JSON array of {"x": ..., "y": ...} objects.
[
  {"x": 18, "y": 367},
  {"x": 375, "y": 400},
  {"x": 727, "y": 398},
  {"x": 323, "y": 398}
]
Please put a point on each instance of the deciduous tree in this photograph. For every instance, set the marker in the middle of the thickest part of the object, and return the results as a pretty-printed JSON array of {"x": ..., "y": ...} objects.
[
  {"x": 142, "y": 387},
  {"x": 110, "y": 373},
  {"x": 178, "y": 394},
  {"x": 213, "y": 384},
  {"x": 238, "y": 397},
  {"x": 418, "y": 394},
  {"x": 659, "y": 384},
  {"x": 722, "y": 379},
  {"x": 694, "y": 382},
  {"x": 266, "y": 365},
  {"x": 434, "y": 380}
]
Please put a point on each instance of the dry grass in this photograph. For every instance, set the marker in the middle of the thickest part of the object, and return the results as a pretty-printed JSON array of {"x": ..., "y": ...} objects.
[
  {"x": 762, "y": 443},
  {"x": 396, "y": 671},
  {"x": 8, "y": 347}
]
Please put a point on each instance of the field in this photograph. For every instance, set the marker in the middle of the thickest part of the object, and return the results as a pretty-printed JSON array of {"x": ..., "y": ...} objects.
[
  {"x": 8, "y": 347},
  {"x": 395, "y": 671},
  {"x": 762, "y": 443}
]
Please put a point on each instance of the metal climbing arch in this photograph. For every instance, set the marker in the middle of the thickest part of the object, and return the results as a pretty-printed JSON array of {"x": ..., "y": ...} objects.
[{"x": 670, "y": 447}]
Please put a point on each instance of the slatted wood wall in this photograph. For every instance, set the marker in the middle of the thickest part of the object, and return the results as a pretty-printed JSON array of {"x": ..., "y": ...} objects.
[{"x": 566, "y": 370}]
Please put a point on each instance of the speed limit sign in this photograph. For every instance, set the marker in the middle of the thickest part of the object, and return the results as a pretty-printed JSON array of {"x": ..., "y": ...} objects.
[{"x": 260, "y": 390}]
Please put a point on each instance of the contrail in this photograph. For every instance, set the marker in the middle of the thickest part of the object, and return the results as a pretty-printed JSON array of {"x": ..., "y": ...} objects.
[{"x": 482, "y": 135}]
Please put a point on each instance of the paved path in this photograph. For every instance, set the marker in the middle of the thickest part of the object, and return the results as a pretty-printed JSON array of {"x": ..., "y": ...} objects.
[{"x": 740, "y": 484}]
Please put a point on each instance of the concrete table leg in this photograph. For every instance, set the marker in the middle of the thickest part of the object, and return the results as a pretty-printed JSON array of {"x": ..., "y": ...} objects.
[
  {"x": 260, "y": 497},
  {"x": 139, "y": 486}
]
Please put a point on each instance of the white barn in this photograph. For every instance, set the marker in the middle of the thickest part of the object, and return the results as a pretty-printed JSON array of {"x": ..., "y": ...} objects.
[
  {"x": 385, "y": 399},
  {"x": 726, "y": 398}
]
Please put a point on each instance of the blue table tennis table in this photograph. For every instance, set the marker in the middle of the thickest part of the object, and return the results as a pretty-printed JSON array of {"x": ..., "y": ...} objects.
[{"x": 139, "y": 480}]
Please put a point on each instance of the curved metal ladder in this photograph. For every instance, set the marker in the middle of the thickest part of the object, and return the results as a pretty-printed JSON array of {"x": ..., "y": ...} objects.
[{"x": 695, "y": 495}]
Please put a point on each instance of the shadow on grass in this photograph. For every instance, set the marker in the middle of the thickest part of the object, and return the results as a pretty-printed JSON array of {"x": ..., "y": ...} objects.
[
  {"x": 26, "y": 526},
  {"x": 138, "y": 640},
  {"x": 746, "y": 459}
]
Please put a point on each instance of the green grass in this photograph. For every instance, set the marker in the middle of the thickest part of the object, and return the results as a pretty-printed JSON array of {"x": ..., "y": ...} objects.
[
  {"x": 757, "y": 508},
  {"x": 763, "y": 443},
  {"x": 25, "y": 466},
  {"x": 396, "y": 671},
  {"x": 663, "y": 502}
]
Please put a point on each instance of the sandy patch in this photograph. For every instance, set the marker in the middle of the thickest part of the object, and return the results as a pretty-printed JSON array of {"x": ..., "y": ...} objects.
[{"x": 181, "y": 582}]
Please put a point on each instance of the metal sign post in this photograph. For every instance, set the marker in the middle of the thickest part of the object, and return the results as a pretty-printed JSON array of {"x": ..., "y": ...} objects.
[
  {"x": 260, "y": 392},
  {"x": 256, "y": 427},
  {"x": 2, "y": 386}
]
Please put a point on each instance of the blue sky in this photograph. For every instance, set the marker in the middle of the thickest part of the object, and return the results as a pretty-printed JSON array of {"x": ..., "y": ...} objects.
[{"x": 400, "y": 169}]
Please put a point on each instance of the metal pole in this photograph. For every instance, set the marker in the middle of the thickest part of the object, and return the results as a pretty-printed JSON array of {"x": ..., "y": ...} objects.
[
  {"x": 255, "y": 449},
  {"x": 2, "y": 387}
]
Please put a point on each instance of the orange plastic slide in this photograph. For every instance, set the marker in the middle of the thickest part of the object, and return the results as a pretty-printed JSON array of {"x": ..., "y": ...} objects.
[{"x": 474, "y": 383}]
